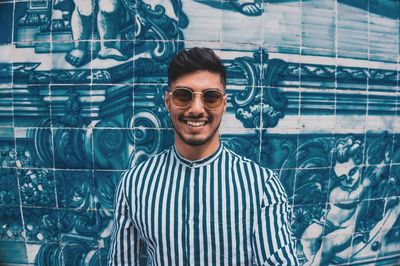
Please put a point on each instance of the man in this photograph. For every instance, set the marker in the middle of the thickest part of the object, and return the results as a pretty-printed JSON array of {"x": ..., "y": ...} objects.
[{"x": 198, "y": 202}]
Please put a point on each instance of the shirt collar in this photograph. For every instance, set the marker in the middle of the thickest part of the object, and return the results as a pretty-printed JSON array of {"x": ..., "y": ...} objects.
[{"x": 200, "y": 162}]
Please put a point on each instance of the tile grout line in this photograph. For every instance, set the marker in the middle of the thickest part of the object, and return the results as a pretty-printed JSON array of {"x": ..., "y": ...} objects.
[
  {"x": 24, "y": 231},
  {"x": 299, "y": 103}
]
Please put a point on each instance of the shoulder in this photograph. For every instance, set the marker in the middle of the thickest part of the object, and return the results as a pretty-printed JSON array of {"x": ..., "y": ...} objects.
[
  {"x": 138, "y": 168},
  {"x": 253, "y": 166},
  {"x": 265, "y": 181}
]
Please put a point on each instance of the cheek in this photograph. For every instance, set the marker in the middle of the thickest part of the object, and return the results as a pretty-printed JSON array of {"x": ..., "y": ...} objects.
[
  {"x": 174, "y": 115},
  {"x": 356, "y": 173},
  {"x": 217, "y": 114}
]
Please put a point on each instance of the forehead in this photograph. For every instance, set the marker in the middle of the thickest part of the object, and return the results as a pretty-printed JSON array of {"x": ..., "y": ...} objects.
[
  {"x": 344, "y": 168},
  {"x": 199, "y": 80}
]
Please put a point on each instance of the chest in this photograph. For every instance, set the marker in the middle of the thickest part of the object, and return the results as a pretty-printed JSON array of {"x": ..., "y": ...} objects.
[{"x": 196, "y": 208}]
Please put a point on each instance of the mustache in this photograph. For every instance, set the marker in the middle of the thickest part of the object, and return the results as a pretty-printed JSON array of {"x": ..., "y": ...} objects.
[{"x": 182, "y": 117}]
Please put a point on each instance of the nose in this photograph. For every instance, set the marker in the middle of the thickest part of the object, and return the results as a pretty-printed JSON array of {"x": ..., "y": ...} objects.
[{"x": 197, "y": 105}]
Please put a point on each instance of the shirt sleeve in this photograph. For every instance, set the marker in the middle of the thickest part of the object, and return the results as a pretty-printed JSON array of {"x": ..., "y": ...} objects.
[
  {"x": 125, "y": 247},
  {"x": 273, "y": 242}
]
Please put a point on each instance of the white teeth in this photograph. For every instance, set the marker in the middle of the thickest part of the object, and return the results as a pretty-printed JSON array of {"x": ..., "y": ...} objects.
[{"x": 195, "y": 124}]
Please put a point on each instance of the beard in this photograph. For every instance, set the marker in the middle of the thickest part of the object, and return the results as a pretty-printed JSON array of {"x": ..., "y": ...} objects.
[{"x": 197, "y": 142}]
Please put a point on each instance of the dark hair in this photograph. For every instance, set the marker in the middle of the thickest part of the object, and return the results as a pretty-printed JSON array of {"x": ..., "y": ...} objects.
[{"x": 191, "y": 60}]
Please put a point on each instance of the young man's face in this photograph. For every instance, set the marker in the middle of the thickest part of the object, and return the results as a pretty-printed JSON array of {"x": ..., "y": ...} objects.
[{"x": 196, "y": 124}]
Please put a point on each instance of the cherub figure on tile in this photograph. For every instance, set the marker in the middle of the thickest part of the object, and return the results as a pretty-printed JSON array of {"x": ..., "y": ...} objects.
[
  {"x": 107, "y": 18},
  {"x": 333, "y": 232}
]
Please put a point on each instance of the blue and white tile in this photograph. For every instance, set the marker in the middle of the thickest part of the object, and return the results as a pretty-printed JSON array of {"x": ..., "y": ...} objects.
[
  {"x": 334, "y": 65},
  {"x": 352, "y": 29},
  {"x": 37, "y": 188},
  {"x": 41, "y": 225},
  {"x": 9, "y": 195},
  {"x": 75, "y": 189},
  {"x": 12, "y": 236},
  {"x": 206, "y": 25},
  {"x": 242, "y": 23},
  {"x": 318, "y": 28},
  {"x": 282, "y": 26}
]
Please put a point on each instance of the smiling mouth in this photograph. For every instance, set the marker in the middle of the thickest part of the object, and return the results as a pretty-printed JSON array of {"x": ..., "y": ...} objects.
[{"x": 196, "y": 123}]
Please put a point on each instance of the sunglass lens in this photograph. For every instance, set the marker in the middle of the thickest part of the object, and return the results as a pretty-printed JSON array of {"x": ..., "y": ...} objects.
[
  {"x": 182, "y": 97},
  {"x": 212, "y": 99}
]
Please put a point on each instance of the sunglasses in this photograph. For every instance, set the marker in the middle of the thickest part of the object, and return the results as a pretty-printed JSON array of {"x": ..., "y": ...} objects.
[{"x": 183, "y": 97}]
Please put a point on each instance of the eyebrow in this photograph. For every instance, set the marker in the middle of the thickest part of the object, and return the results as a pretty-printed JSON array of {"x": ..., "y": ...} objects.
[{"x": 185, "y": 87}]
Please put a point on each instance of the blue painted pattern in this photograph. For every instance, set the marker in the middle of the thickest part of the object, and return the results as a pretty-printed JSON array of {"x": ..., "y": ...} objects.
[{"x": 313, "y": 93}]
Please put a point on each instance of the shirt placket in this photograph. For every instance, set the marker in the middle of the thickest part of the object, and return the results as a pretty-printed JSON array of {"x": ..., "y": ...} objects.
[{"x": 190, "y": 214}]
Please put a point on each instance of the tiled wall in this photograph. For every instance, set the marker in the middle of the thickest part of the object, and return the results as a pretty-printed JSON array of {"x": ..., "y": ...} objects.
[{"x": 313, "y": 91}]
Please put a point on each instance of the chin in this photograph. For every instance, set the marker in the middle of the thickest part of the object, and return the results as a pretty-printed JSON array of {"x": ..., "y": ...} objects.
[{"x": 195, "y": 142}]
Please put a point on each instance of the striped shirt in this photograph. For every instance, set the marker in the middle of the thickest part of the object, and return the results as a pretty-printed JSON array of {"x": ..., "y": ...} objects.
[{"x": 220, "y": 210}]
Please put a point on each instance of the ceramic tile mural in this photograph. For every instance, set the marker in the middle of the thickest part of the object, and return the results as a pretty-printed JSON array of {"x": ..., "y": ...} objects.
[{"x": 313, "y": 92}]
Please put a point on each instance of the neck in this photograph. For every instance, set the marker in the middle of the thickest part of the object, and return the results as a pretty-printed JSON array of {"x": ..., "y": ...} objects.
[{"x": 197, "y": 152}]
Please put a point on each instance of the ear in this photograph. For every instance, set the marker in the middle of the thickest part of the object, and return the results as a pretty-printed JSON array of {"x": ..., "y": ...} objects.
[
  {"x": 225, "y": 102},
  {"x": 167, "y": 100}
]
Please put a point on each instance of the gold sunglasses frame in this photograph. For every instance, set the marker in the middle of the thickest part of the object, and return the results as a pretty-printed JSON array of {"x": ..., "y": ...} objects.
[{"x": 194, "y": 95}]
